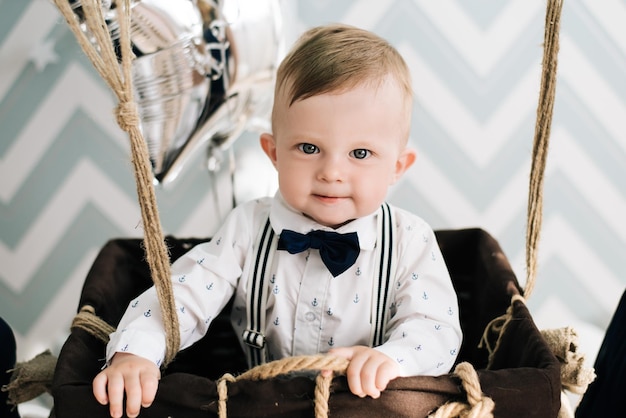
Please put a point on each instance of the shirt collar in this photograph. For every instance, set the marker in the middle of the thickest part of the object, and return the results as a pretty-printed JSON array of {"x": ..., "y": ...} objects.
[{"x": 283, "y": 216}]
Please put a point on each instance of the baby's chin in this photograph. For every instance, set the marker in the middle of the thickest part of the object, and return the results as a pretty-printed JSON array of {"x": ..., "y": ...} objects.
[{"x": 329, "y": 223}]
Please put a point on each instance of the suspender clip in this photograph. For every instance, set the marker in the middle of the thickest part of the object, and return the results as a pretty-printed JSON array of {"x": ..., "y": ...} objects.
[{"x": 253, "y": 338}]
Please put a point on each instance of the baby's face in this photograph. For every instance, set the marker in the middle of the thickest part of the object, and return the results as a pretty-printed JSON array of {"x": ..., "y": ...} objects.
[{"x": 338, "y": 153}]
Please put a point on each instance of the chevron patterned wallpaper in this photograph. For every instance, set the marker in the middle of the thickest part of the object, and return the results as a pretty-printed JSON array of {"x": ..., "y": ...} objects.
[{"x": 66, "y": 184}]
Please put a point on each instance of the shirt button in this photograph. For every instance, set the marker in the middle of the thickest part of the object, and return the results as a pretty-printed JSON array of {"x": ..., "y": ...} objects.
[{"x": 310, "y": 316}]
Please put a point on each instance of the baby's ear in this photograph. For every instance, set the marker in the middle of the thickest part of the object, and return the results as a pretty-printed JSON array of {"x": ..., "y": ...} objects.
[
  {"x": 268, "y": 143},
  {"x": 405, "y": 161}
]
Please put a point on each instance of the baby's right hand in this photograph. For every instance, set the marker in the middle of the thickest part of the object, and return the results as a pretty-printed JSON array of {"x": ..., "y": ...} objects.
[{"x": 137, "y": 376}]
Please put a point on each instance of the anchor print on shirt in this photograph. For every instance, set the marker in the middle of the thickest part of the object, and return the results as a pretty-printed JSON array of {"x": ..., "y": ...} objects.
[
  {"x": 147, "y": 313},
  {"x": 331, "y": 342},
  {"x": 425, "y": 296},
  {"x": 200, "y": 261},
  {"x": 356, "y": 298},
  {"x": 209, "y": 286},
  {"x": 277, "y": 321},
  {"x": 135, "y": 303},
  {"x": 182, "y": 279},
  {"x": 414, "y": 276},
  {"x": 273, "y": 279},
  {"x": 358, "y": 271},
  {"x": 450, "y": 312},
  {"x": 314, "y": 302},
  {"x": 275, "y": 290},
  {"x": 329, "y": 312}
]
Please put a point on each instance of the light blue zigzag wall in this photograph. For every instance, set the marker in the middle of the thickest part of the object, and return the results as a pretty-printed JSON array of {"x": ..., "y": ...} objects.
[{"x": 67, "y": 185}]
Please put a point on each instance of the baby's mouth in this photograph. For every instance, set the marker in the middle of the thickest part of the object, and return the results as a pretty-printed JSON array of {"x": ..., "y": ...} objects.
[{"x": 326, "y": 198}]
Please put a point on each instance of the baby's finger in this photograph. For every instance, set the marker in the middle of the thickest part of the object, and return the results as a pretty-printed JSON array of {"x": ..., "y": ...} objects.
[
  {"x": 149, "y": 384},
  {"x": 386, "y": 372},
  {"x": 133, "y": 395},
  {"x": 115, "y": 389},
  {"x": 99, "y": 387},
  {"x": 355, "y": 376},
  {"x": 345, "y": 352},
  {"x": 368, "y": 376}
]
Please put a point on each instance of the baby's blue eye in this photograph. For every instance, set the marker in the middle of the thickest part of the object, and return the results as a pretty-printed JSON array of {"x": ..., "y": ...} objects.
[
  {"x": 308, "y": 148},
  {"x": 360, "y": 153}
]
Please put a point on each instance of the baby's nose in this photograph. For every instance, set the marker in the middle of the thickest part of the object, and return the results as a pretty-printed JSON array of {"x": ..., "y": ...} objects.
[{"x": 332, "y": 169}]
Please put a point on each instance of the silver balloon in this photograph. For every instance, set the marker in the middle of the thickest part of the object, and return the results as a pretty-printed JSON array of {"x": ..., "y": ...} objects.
[{"x": 204, "y": 73}]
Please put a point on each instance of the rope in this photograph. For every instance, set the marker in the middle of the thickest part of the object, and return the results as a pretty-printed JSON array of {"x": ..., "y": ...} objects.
[
  {"x": 541, "y": 140},
  {"x": 338, "y": 365},
  {"x": 477, "y": 406},
  {"x": 87, "y": 320},
  {"x": 100, "y": 52},
  {"x": 497, "y": 326}
]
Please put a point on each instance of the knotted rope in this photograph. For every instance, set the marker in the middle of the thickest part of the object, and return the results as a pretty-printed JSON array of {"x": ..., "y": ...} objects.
[
  {"x": 477, "y": 404},
  {"x": 100, "y": 52},
  {"x": 337, "y": 365},
  {"x": 87, "y": 320}
]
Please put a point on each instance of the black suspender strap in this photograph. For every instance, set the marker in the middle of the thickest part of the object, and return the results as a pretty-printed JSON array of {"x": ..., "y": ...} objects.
[
  {"x": 257, "y": 296},
  {"x": 258, "y": 288},
  {"x": 382, "y": 281}
]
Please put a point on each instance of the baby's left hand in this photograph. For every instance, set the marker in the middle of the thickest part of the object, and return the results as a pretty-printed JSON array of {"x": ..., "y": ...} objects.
[{"x": 369, "y": 370}]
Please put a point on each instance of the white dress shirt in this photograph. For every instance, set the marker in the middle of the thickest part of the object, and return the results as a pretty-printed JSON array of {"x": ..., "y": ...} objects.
[{"x": 308, "y": 310}]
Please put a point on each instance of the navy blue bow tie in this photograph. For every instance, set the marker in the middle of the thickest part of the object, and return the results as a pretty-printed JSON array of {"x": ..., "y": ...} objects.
[{"x": 338, "y": 251}]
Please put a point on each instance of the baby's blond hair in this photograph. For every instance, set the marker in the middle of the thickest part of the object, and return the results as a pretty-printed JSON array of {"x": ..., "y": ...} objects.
[{"x": 338, "y": 57}]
